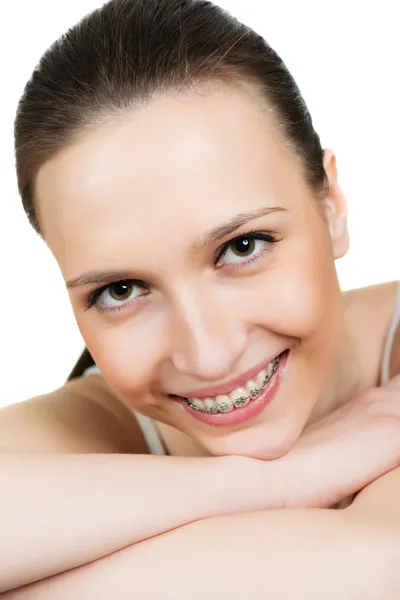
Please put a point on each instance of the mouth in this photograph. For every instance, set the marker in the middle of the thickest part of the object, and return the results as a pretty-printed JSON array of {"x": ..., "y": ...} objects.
[{"x": 242, "y": 403}]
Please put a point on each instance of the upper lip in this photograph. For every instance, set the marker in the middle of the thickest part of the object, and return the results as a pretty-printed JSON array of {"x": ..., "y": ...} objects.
[{"x": 229, "y": 386}]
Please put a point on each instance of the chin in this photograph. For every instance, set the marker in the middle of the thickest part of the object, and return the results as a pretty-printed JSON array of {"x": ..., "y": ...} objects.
[{"x": 263, "y": 442}]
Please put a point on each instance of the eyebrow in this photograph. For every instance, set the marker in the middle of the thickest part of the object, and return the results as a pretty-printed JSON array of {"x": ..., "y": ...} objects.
[
  {"x": 234, "y": 223},
  {"x": 219, "y": 232},
  {"x": 98, "y": 276}
]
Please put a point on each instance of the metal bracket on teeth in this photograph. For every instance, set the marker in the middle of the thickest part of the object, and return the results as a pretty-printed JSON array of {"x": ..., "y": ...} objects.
[
  {"x": 240, "y": 401},
  {"x": 213, "y": 410}
]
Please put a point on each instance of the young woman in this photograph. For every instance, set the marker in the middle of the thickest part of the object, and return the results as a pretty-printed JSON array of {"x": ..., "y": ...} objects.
[{"x": 166, "y": 156}]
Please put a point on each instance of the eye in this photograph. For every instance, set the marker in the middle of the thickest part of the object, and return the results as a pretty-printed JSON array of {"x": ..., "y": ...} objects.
[
  {"x": 246, "y": 248},
  {"x": 116, "y": 295}
]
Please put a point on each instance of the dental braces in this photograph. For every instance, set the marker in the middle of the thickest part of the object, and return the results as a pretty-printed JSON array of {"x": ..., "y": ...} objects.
[{"x": 213, "y": 410}]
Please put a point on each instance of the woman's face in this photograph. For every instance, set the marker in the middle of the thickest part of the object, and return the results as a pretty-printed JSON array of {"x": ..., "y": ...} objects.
[{"x": 194, "y": 254}]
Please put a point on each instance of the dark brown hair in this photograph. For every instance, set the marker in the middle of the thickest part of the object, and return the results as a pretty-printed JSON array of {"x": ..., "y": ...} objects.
[{"x": 123, "y": 53}]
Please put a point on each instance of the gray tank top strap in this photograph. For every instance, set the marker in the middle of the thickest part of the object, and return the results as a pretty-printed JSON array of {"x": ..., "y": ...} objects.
[
  {"x": 385, "y": 365},
  {"x": 151, "y": 435}
]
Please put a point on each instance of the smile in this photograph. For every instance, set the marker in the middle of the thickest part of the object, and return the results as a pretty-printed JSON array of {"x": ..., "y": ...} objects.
[{"x": 239, "y": 397}]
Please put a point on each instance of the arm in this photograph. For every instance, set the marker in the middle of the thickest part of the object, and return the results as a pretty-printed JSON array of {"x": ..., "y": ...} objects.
[
  {"x": 68, "y": 494},
  {"x": 61, "y": 511},
  {"x": 287, "y": 554},
  {"x": 290, "y": 554},
  {"x": 142, "y": 496}
]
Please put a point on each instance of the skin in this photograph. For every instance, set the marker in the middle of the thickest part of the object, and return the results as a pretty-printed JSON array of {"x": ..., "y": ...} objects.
[{"x": 140, "y": 193}]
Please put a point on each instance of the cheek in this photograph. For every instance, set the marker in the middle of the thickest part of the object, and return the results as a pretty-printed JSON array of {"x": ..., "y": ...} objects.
[
  {"x": 298, "y": 295},
  {"x": 128, "y": 354}
]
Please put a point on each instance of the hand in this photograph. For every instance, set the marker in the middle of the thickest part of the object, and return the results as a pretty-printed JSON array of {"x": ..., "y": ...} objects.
[{"x": 344, "y": 452}]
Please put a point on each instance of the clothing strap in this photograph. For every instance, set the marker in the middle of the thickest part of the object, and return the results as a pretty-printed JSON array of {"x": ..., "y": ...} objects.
[
  {"x": 385, "y": 368},
  {"x": 147, "y": 425},
  {"x": 150, "y": 434}
]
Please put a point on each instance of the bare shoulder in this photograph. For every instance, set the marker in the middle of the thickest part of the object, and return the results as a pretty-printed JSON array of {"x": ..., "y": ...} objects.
[
  {"x": 379, "y": 296},
  {"x": 369, "y": 313},
  {"x": 83, "y": 416}
]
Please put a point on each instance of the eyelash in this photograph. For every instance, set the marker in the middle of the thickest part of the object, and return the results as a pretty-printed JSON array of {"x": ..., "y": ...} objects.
[{"x": 254, "y": 235}]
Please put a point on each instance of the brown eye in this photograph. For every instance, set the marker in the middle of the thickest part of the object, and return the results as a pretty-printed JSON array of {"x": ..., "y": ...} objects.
[
  {"x": 246, "y": 248},
  {"x": 117, "y": 295},
  {"x": 243, "y": 247},
  {"x": 121, "y": 290}
]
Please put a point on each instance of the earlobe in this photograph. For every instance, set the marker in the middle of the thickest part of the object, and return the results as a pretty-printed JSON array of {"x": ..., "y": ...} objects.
[{"x": 335, "y": 208}]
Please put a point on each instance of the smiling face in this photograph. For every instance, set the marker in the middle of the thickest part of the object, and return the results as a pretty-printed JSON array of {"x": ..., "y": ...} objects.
[{"x": 208, "y": 256}]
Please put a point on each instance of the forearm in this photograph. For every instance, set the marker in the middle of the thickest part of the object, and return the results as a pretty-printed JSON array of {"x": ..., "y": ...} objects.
[
  {"x": 286, "y": 554},
  {"x": 62, "y": 511}
]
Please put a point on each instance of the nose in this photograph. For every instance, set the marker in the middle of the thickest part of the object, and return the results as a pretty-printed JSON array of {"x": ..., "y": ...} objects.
[{"x": 206, "y": 339}]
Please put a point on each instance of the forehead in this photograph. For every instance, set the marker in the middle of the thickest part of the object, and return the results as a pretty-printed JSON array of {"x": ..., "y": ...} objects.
[{"x": 176, "y": 167}]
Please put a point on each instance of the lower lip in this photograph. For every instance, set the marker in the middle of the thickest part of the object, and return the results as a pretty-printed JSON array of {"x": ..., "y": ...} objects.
[{"x": 250, "y": 411}]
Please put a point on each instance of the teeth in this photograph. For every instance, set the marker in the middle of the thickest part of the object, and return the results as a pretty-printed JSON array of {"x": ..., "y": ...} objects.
[
  {"x": 224, "y": 404},
  {"x": 261, "y": 378},
  {"x": 240, "y": 397},
  {"x": 197, "y": 404},
  {"x": 253, "y": 388},
  {"x": 209, "y": 404}
]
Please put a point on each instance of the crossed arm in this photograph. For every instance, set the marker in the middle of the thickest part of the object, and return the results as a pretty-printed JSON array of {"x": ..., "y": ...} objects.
[{"x": 285, "y": 554}]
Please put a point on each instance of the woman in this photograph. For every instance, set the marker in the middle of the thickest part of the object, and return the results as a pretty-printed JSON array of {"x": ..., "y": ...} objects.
[{"x": 167, "y": 158}]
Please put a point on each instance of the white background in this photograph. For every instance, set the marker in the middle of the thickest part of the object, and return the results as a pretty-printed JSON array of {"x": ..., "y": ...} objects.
[{"x": 345, "y": 57}]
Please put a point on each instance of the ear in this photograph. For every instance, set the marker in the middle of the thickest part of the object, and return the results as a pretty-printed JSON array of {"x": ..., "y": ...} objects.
[{"x": 335, "y": 208}]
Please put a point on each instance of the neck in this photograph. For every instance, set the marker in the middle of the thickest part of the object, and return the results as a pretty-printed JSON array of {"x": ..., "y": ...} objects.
[{"x": 351, "y": 375}]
